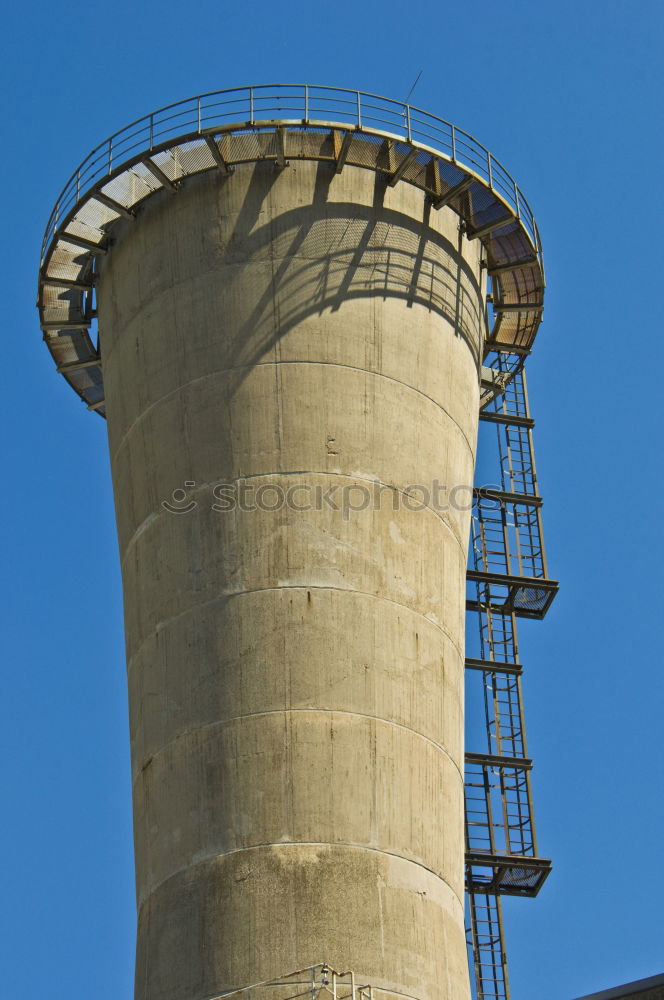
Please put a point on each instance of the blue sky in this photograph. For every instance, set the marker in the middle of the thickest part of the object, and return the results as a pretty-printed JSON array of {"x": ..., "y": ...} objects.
[{"x": 568, "y": 96}]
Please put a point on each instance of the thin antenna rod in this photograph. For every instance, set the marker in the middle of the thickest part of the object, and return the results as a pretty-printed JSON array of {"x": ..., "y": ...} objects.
[{"x": 417, "y": 78}]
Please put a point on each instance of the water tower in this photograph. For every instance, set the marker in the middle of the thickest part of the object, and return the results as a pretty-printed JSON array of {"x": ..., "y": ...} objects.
[{"x": 292, "y": 304}]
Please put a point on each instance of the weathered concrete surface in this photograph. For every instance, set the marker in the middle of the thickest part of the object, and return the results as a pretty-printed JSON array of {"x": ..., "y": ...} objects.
[{"x": 295, "y": 676}]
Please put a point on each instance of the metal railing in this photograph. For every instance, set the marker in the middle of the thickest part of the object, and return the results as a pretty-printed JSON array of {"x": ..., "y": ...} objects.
[
  {"x": 316, "y": 982},
  {"x": 294, "y": 104}
]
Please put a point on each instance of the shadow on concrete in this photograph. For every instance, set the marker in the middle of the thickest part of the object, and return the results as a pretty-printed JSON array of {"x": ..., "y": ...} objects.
[{"x": 321, "y": 260}]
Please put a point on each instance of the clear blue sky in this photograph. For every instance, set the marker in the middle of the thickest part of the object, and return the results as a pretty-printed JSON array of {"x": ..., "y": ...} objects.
[{"x": 569, "y": 97}]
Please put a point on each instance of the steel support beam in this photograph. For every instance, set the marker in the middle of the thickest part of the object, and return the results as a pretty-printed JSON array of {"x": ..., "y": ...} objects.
[
  {"x": 517, "y": 265},
  {"x": 497, "y": 760},
  {"x": 341, "y": 149},
  {"x": 159, "y": 174},
  {"x": 493, "y": 666},
  {"x": 517, "y": 307},
  {"x": 524, "y": 499},
  {"x": 506, "y": 418},
  {"x": 281, "y": 148},
  {"x": 474, "y": 234},
  {"x": 80, "y": 241},
  {"x": 213, "y": 146},
  {"x": 114, "y": 205},
  {"x": 68, "y": 283},
  {"x": 403, "y": 166},
  {"x": 57, "y": 325},
  {"x": 494, "y": 343},
  {"x": 451, "y": 193},
  {"x": 74, "y": 366}
]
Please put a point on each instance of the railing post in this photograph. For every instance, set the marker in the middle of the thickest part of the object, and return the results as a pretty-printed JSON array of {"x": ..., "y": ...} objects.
[
  {"x": 306, "y": 104},
  {"x": 251, "y": 105},
  {"x": 151, "y": 130},
  {"x": 408, "y": 120},
  {"x": 453, "y": 144},
  {"x": 488, "y": 160},
  {"x": 516, "y": 201},
  {"x": 359, "y": 111},
  {"x": 198, "y": 113},
  {"x": 110, "y": 155},
  {"x": 78, "y": 184}
]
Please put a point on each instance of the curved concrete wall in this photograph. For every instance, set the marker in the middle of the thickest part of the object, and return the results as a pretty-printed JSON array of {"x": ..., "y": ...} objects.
[{"x": 295, "y": 675}]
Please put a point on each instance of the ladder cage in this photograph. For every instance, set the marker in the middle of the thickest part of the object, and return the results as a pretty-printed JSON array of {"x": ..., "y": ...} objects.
[{"x": 507, "y": 578}]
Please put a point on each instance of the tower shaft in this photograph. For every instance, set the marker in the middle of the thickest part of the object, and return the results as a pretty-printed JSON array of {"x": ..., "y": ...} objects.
[{"x": 297, "y": 350}]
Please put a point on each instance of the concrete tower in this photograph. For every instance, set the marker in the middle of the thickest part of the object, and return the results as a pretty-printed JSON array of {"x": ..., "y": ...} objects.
[{"x": 290, "y": 290}]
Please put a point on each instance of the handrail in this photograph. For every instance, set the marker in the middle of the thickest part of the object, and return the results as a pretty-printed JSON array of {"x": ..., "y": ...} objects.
[{"x": 312, "y": 105}]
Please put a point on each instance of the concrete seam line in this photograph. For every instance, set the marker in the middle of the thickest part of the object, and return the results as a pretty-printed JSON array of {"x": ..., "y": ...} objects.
[
  {"x": 300, "y": 843},
  {"x": 154, "y": 515},
  {"x": 274, "y": 364},
  {"x": 220, "y": 723},
  {"x": 309, "y": 586}
]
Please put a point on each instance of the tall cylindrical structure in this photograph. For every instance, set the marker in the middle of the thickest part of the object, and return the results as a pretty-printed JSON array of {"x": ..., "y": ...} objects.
[
  {"x": 291, "y": 351},
  {"x": 295, "y": 674}
]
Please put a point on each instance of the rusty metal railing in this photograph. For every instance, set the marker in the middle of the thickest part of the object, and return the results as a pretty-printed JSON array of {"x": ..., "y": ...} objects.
[{"x": 304, "y": 104}]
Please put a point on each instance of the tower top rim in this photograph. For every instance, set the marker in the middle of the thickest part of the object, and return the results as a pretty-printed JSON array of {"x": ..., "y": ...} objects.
[{"x": 399, "y": 141}]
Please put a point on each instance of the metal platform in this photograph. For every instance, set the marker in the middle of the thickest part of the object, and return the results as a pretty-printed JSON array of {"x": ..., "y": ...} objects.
[{"x": 281, "y": 123}]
